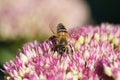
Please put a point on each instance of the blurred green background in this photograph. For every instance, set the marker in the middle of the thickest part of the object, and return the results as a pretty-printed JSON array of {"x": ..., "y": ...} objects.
[{"x": 101, "y": 11}]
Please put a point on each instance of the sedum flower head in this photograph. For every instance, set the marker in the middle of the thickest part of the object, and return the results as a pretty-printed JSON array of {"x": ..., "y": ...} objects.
[{"x": 96, "y": 56}]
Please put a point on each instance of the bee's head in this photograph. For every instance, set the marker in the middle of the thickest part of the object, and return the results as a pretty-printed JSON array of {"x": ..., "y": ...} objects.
[
  {"x": 61, "y": 49},
  {"x": 63, "y": 42}
]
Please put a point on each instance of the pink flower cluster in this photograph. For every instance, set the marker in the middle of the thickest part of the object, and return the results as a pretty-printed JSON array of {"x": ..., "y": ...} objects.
[{"x": 96, "y": 56}]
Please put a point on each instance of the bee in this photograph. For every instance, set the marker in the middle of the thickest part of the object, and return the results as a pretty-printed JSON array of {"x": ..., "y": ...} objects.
[{"x": 61, "y": 40}]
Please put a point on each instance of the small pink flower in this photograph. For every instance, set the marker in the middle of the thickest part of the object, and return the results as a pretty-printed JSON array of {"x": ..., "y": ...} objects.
[{"x": 96, "y": 56}]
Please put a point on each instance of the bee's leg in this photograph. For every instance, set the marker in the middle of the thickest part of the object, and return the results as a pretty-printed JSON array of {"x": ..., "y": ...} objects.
[
  {"x": 60, "y": 56},
  {"x": 53, "y": 40},
  {"x": 52, "y": 37},
  {"x": 71, "y": 48},
  {"x": 67, "y": 50}
]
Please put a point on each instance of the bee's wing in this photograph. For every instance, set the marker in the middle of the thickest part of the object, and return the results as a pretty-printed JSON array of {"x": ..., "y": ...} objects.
[{"x": 51, "y": 26}]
